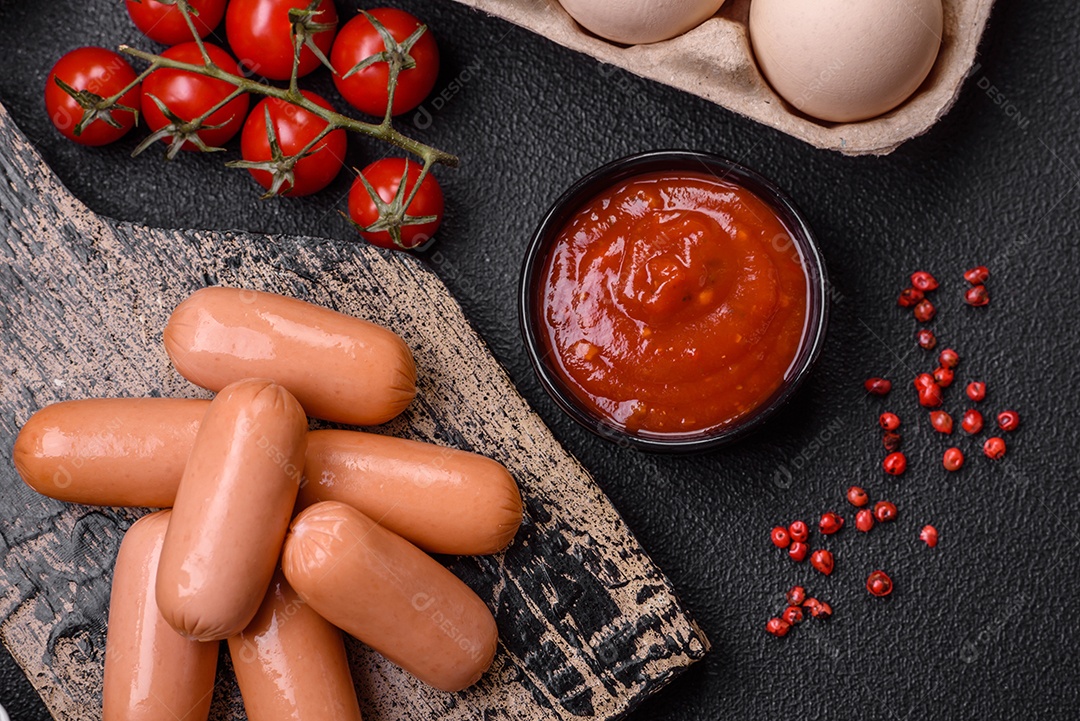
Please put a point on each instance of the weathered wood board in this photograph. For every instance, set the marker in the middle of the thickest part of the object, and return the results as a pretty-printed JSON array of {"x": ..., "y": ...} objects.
[{"x": 589, "y": 626}]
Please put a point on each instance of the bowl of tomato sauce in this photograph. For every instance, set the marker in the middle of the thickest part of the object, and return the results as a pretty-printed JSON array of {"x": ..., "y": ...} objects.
[{"x": 673, "y": 301}]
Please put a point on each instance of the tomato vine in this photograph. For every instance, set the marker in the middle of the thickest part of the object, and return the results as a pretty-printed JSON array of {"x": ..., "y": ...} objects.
[{"x": 303, "y": 28}]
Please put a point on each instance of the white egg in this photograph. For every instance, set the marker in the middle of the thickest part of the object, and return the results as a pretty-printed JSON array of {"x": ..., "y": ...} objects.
[
  {"x": 636, "y": 22},
  {"x": 845, "y": 60}
]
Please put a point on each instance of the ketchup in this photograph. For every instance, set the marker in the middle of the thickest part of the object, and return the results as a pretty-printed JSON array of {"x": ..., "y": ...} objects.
[{"x": 674, "y": 303}]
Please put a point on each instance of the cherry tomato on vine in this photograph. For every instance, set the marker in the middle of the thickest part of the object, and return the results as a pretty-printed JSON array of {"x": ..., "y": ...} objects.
[
  {"x": 96, "y": 74},
  {"x": 260, "y": 33},
  {"x": 385, "y": 177},
  {"x": 188, "y": 96},
  {"x": 293, "y": 129},
  {"x": 165, "y": 23},
  {"x": 366, "y": 90}
]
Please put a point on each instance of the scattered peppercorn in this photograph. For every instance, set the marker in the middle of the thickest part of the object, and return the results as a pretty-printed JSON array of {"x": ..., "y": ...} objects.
[
  {"x": 777, "y": 627},
  {"x": 949, "y": 358},
  {"x": 976, "y": 297},
  {"x": 925, "y": 311},
  {"x": 879, "y": 584},
  {"x": 976, "y": 391},
  {"x": 830, "y": 523},
  {"x": 909, "y": 297},
  {"x": 857, "y": 497},
  {"x": 798, "y": 551},
  {"x": 884, "y": 511},
  {"x": 864, "y": 520},
  {"x": 878, "y": 386},
  {"x": 944, "y": 377},
  {"x": 1008, "y": 421},
  {"x": 930, "y": 396},
  {"x": 818, "y": 609},
  {"x": 799, "y": 531},
  {"x": 994, "y": 448},
  {"x": 972, "y": 422},
  {"x": 953, "y": 459},
  {"x": 923, "y": 381},
  {"x": 895, "y": 463},
  {"x": 921, "y": 280},
  {"x": 930, "y": 388},
  {"x": 977, "y": 275},
  {"x": 822, "y": 560},
  {"x": 941, "y": 421}
]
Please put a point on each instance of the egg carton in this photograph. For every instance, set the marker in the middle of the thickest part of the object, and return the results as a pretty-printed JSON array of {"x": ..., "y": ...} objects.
[{"x": 715, "y": 62}]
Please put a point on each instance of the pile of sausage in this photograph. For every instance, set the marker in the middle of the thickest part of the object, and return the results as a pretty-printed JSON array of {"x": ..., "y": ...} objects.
[{"x": 276, "y": 536}]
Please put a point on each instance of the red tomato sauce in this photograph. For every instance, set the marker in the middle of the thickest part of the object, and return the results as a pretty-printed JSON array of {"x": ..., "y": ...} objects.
[{"x": 674, "y": 303}]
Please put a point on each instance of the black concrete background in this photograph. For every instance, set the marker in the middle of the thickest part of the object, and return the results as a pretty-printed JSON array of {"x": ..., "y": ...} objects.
[{"x": 983, "y": 625}]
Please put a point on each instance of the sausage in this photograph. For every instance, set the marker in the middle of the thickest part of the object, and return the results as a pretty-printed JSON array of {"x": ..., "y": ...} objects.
[
  {"x": 131, "y": 452},
  {"x": 441, "y": 499},
  {"x": 340, "y": 368},
  {"x": 151, "y": 671},
  {"x": 386, "y": 592},
  {"x": 290, "y": 663},
  {"x": 109, "y": 451},
  {"x": 232, "y": 510}
]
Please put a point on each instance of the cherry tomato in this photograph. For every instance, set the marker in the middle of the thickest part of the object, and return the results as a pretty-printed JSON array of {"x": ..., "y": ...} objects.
[
  {"x": 188, "y": 95},
  {"x": 294, "y": 128},
  {"x": 260, "y": 34},
  {"x": 385, "y": 178},
  {"x": 367, "y": 90},
  {"x": 102, "y": 73},
  {"x": 165, "y": 23}
]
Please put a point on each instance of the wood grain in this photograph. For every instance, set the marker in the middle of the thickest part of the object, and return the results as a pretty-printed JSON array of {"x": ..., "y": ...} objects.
[{"x": 589, "y": 626}]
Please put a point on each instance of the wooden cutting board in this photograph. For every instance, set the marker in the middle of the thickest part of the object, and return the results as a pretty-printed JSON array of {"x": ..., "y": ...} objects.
[{"x": 589, "y": 626}]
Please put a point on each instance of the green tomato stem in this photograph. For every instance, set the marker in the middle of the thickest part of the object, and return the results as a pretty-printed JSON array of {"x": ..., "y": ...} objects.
[
  {"x": 185, "y": 10},
  {"x": 382, "y": 131}
]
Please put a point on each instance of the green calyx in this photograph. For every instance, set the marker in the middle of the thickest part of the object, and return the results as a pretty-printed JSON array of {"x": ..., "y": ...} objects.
[
  {"x": 396, "y": 54},
  {"x": 280, "y": 166},
  {"x": 304, "y": 30},
  {"x": 181, "y": 131},
  {"x": 393, "y": 215},
  {"x": 95, "y": 108}
]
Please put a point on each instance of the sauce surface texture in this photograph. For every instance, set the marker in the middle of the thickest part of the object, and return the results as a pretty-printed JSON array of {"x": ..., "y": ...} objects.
[{"x": 674, "y": 303}]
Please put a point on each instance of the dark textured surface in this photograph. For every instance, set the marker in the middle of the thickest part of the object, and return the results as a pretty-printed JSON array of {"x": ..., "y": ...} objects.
[{"x": 980, "y": 626}]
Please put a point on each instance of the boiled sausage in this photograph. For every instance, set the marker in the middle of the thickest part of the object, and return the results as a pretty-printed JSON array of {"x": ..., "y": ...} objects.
[
  {"x": 441, "y": 499},
  {"x": 340, "y": 368},
  {"x": 383, "y": 590},
  {"x": 151, "y": 671},
  {"x": 109, "y": 451},
  {"x": 290, "y": 663},
  {"x": 232, "y": 510}
]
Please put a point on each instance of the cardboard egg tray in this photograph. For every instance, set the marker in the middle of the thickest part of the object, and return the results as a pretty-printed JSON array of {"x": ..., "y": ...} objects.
[{"x": 715, "y": 62}]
